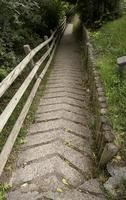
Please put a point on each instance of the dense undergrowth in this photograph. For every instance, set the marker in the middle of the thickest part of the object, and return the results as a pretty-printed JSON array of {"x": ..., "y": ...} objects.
[
  {"x": 94, "y": 12},
  {"x": 25, "y": 22},
  {"x": 109, "y": 44}
]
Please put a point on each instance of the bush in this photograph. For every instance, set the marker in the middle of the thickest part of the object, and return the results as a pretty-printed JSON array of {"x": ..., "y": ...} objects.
[
  {"x": 94, "y": 12},
  {"x": 3, "y": 74},
  {"x": 26, "y": 22}
]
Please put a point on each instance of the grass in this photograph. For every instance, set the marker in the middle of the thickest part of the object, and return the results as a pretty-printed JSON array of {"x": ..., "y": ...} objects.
[
  {"x": 3, "y": 188},
  {"x": 110, "y": 43}
]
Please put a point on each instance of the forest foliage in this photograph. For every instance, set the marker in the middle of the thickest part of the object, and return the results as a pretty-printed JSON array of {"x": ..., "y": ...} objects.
[
  {"x": 95, "y": 12},
  {"x": 25, "y": 22}
]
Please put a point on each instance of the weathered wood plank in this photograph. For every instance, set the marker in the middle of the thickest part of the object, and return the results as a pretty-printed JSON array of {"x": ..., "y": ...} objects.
[
  {"x": 16, "y": 98},
  {"x": 6, "y": 83},
  {"x": 46, "y": 38},
  {"x": 27, "y": 50},
  {"x": 16, "y": 129}
]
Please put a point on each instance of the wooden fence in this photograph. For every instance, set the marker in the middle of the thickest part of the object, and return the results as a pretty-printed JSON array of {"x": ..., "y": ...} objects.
[
  {"x": 104, "y": 137},
  {"x": 50, "y": 44}
]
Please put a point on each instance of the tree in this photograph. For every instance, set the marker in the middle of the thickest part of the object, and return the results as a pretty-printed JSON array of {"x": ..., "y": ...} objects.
[
  {"x": 94, "y": 12},
  {"x": 26, "y": 21}
]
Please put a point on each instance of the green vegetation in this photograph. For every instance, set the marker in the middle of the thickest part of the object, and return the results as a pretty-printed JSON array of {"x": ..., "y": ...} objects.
[
  {"x": 119, "y": 194},
  {"x": 109, "y": 44},
  {"x": 25, "y": 22},
  {"x": 3, "y": 188},
  {"x": 94, "y": 12}
]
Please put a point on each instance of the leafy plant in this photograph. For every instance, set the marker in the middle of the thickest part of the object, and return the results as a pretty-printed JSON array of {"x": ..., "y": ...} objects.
[
  {"x": 95, "y": 12},
  {"x": 3, "y": 74},
  {"x": 26, "y": 22},
  {"x": 3, "y": 188}
]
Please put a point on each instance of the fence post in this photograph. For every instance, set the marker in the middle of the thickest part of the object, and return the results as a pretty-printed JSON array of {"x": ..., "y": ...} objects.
[
  {"x": 51, "y": 31},
  {"x": 27, "y": 50},
  {"x": 65, "y": 23},
  {"x": 46, "y": 38},
  {"x": 110, "y": 150}
]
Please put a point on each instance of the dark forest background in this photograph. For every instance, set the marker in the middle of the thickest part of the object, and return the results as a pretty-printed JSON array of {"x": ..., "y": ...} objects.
[{"x": 27, "y": 21}]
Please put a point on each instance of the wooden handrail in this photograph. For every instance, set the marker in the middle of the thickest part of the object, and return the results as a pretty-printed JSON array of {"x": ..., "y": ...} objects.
[
  {"x": 17, "y": 97},
  {"x": 6, "y": 83}
]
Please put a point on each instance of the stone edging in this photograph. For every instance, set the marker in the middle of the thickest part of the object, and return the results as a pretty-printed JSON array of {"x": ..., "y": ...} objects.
[{"x": 104, "y": 136}]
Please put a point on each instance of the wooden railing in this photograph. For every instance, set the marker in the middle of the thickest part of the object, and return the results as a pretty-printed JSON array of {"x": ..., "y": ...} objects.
[
  {"x": 50, "y": 44},
  {"x": 103, "y": 133}
]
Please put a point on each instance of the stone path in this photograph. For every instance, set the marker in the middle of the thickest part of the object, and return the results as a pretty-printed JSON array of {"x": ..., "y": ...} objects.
[{"x": 56, "y": 162}]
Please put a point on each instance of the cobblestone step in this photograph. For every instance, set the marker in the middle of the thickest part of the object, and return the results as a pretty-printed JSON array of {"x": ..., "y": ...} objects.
[{"x": 56, "y": 160}]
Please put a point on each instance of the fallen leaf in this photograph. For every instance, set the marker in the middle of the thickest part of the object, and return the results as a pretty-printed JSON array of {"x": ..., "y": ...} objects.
[
  {"x": 118, "y": 157},
  {"x": 64, "y": 181},
  {"x": 59, "y": 190}
]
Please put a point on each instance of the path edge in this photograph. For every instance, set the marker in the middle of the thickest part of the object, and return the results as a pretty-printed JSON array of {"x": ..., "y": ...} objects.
[{"x": 103, "y": 131}]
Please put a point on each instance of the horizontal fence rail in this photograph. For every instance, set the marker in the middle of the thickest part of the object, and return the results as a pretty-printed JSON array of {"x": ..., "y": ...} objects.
[{"x": 51, "y": 44}]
